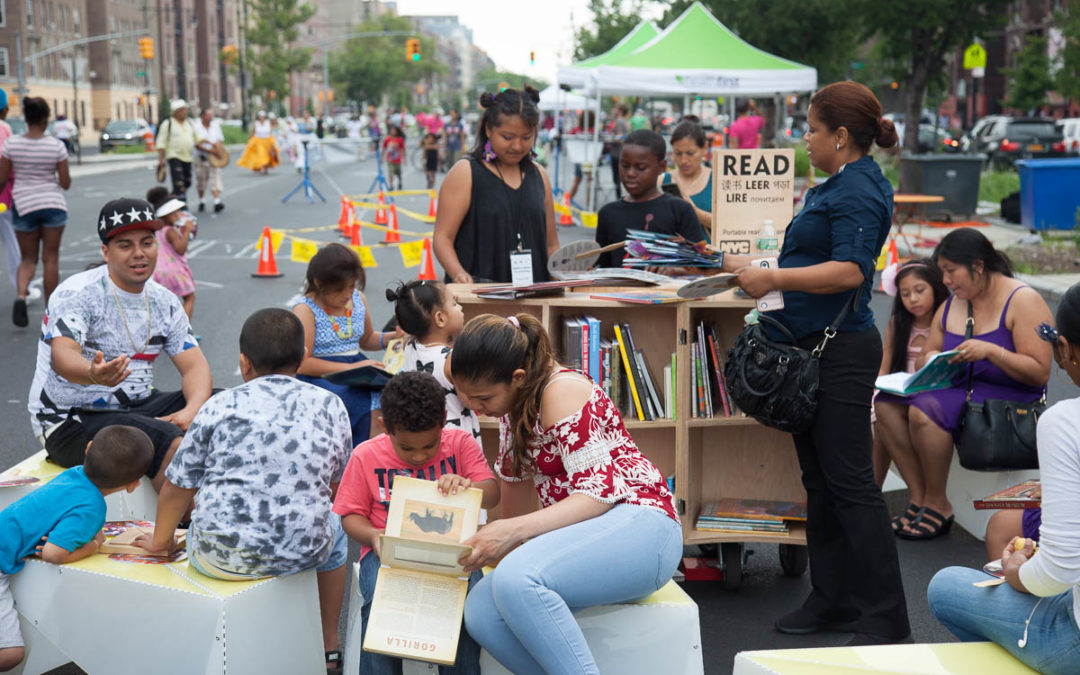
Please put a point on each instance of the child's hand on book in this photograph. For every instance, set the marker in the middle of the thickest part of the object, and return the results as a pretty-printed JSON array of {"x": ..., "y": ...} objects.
[
  {"x": 451, "y": 483},
  {"x": 146, "y": 541}
]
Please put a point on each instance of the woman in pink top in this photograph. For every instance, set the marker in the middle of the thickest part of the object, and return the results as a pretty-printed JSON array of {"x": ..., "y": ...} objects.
[
  {"x": 745, "y": 131},
  {"x": 604, "y": 506}
]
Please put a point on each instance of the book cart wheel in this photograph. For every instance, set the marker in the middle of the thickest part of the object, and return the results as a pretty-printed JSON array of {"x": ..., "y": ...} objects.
[
  {"x": 793, "y": 559},
  {"x": 731, "y": 554}
]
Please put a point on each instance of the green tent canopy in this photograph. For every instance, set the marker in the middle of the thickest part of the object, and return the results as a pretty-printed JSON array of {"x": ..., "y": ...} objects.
[
  {"x": 576, "y": 75},
  {"x": 697, "y": 54}
]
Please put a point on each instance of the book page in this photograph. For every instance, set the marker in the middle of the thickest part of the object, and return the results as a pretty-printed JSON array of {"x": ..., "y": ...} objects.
[
  {"x": 416, "y": 615},
  {"x": 937, "y": 373},
  {"x": 418, "y": 511}
]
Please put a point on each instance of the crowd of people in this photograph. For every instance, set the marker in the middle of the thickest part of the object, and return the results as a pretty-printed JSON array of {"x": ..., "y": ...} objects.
[{"x": 273, "y": 476}]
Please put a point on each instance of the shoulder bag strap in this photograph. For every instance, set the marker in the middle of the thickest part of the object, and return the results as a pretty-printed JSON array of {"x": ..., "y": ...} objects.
[
  {"x": 968, "y": 332},
  {"x": 830, "y": 331}
]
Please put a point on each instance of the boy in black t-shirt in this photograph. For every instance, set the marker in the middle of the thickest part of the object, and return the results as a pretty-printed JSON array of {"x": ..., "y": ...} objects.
[{"x": 645, "y": 207}]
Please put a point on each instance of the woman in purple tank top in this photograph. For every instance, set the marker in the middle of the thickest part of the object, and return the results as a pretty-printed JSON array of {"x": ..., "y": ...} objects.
[{"x": 1008, "y": 361}]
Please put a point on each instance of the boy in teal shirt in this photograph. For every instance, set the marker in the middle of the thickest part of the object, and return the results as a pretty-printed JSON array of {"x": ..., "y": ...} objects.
[{"x": 62, "y": 520}]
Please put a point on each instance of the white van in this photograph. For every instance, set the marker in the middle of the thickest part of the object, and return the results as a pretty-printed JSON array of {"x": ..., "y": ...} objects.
[{"x": 1070, "y": 129}]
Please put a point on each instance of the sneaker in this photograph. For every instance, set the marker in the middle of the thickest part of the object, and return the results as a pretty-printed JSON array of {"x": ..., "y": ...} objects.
[
  {"x": 18, "y": 313},
  {"x": 219, "y": 207},
  {"x": 202, "y": 207}
]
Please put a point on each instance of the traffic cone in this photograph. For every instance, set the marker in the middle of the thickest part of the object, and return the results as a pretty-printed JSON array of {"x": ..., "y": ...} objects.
[
  {"x": 427, "y": 266},
  {"x": 343, "y": 218},
  {"x": 565, "y": 218},
  {"x": 380, "y": 212},
  {"x": 431, "y": 205},
  {"x": 392, "y": 236},
  {"x": 355, "y": 238},
  {"x": 267, "y": 265}
]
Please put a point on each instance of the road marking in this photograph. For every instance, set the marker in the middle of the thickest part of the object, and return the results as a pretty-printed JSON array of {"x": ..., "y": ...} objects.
[
  {"x": 200, "y": 246},
  {"x": 228, "y": 249},
  {"x": 333, "y": 183},
  {"x": 246, "y": 252},
  {"x": 211, "y": 284}
]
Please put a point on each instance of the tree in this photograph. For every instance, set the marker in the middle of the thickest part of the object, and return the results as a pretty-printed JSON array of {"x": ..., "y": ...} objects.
[
  {"x": 918, "y": 35},
  {"x": 274, "y": 29},
  {"x": 373, "y": 67},
  {"x": 488, "y": 80},
  {"x": 611, "y": 22},
  {"x": 824, "y": 34},
  {"x": 1067, "y": 77},
  {"x": 1029, "y": 80}
]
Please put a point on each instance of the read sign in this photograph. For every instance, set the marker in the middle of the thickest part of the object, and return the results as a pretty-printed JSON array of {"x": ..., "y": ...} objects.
[{"x": 750, "y": 187}]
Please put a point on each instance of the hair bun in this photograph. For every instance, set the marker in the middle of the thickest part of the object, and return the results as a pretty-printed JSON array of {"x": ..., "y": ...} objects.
[
  {"x": 392, "y": 295},
  {"x": 534, "y": 94},
  {"x": 487, "y": 99},
  {"x": 886, "y": 136}
]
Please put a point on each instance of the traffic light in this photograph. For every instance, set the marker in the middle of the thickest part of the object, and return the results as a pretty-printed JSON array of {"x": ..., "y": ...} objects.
[
  {"x": 412, "y": 49},
  {"x": 532, "y": 58},
  {"x": 146, "y": 47},
  {"x": 503, "y": 86}
]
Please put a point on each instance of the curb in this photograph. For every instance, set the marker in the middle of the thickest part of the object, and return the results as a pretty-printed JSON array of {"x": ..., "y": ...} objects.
[{"x": 1046, "y": 285}]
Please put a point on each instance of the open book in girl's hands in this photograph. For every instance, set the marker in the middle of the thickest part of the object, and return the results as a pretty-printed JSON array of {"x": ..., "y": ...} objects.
[{"x": 938, "y": 373}]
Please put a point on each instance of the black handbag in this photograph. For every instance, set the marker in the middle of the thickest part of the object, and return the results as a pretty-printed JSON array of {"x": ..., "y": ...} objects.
[
  {"x": 774, "y": 382},
  {"x": 997, "y": 435}
]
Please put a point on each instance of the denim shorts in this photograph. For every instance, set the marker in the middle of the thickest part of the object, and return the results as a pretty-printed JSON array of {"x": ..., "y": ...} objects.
[
  {"x": 340, "y": 555},
  {"x": 40, "y": 218}
]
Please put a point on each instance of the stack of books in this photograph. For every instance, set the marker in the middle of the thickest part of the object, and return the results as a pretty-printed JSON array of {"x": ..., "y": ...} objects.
[
  {"x": 743, "y": 516},
  {"x": 651, "y": 249},
  {"x": 708, "y": 386},
  {"x": 620, "y": 368}
]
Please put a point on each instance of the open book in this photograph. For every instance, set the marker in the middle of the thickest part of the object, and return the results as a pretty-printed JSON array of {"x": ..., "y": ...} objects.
[
  {"x": 938, "y": 373},
  {"x": 419, "y": 597}
]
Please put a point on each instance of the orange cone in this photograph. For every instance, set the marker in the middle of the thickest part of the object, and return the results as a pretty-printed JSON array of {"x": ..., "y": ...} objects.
[
  {"x": 355, "y": 238},
  {"x": 343, "y": 218},
  {"x": 431, "y": 205},
  {"x": 267, "y": 265},
  {"x": 565, "y": 218},
  {"x": 427, "y": 266},
  {"x": 380, "y": 212},
  {"x": 392, "y": 236}
]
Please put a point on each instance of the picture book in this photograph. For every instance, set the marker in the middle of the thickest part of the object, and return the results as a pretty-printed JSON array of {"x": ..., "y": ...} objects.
[
  {"x": 1026, "y": 495},
  {"x": 755, "y": 509},
  {"x": 364, "y": 376},
  {"x": 511, "y": 292},
  {"x": 419, "y": 596},
  {"x": 120, "y": 538},
  {"x": 639, "y": 297},
  {"x": 937, "y": 373}
]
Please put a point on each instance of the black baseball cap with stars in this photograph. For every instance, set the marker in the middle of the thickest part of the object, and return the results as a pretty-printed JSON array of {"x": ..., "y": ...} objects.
[{"x": 122, "y": 215}]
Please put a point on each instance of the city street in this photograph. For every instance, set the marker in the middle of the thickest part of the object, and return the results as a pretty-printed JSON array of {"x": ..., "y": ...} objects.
[{"x": 222, "y": 258}]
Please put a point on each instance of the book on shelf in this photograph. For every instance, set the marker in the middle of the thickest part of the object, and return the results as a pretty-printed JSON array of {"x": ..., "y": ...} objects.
[
  {"x": 592, "y": 349},
  {"x": 629, "y": 371},
  {"x": 937, "y": 373},
  {"x": 1026, "y": 495},
  {"x": 705, "y": 372},
  {"x": 419, "y": 596},
  {"x": 755, "y": 509},
  {"x": 673, "y": 411},
  {"x": 669, "y": 411},
  {"x": 640, "y": 297},
  {"x": 718, "y": 371}
]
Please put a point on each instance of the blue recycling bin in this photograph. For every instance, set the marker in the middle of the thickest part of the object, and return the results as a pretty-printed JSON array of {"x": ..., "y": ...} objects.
[{"x": 1049, "y": 198}]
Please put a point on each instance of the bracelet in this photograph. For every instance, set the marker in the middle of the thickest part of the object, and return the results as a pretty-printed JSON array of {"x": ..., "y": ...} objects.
[
  {"x": 90, "y": 373},
  {"x": 381, "y": 336}
]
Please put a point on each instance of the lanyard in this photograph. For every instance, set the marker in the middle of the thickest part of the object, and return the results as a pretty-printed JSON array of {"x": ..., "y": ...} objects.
[{"x": 515, "y": 214}]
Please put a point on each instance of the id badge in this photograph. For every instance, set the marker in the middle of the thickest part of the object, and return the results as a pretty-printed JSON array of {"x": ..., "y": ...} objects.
[{"x": 521, "y": 269}]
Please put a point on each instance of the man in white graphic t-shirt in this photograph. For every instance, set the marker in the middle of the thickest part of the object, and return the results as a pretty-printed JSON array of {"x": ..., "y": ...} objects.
[{"x": 102, "y": 331}]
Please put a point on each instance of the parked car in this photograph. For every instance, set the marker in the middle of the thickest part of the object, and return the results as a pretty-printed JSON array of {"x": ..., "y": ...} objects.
[
  {"x": 933, "y": 139},
  {"x": 1006, "y": 139},
  {"x": 17, "y": 124},
  {"x": 1070, "y": 131},
  {"x": 125, "y": 133}
]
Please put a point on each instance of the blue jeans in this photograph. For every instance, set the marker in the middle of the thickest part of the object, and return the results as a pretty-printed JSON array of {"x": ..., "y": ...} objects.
[
  {"x": 467, "y": 661},
  {"x": 522, "y": 613},
  {"x": 999, "y": 613}
]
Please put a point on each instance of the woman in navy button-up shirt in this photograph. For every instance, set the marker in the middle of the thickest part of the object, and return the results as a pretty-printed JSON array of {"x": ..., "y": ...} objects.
[{"x": 829, "y": 251}]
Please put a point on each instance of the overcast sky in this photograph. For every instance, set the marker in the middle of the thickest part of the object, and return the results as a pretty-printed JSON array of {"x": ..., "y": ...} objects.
[{"x": 508, "y": 30}]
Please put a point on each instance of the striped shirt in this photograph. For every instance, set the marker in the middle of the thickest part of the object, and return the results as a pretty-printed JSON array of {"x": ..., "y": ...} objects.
[{"x": 34, "y": 162}]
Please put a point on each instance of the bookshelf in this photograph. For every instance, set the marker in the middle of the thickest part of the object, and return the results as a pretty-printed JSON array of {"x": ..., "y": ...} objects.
[{"x": 711, "y": 458}]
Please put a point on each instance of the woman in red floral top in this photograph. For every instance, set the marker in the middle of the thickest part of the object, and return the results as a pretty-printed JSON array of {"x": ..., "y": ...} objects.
[{"x": 604, "y": 506}]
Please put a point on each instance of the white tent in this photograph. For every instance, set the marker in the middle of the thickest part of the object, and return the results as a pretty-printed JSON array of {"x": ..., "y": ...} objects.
[{"x": 554, "y": 98}]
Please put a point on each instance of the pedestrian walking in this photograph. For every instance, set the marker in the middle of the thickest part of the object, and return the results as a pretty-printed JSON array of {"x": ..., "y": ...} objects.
[
  {"x": 7, "y": 232},
  {"x": 65, "y": 130},
  {"x": 177, "y": 139},
  {"x": 826, "y": 267},
  {"x": 394, "y": 153},
  {"x": 40, "y": 166},
  {"x": 207, "y": 175},
  {"x": 261, "y": 153}
]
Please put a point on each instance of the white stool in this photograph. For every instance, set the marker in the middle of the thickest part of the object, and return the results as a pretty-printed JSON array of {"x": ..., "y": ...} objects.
[{"x": 966, "y": 658}]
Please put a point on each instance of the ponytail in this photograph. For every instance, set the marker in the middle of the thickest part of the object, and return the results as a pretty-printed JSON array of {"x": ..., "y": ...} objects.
[{"x": 489, "y": 350}]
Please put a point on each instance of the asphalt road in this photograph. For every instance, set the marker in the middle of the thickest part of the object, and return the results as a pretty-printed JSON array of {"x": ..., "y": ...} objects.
[{"x": 223, "y": 258}]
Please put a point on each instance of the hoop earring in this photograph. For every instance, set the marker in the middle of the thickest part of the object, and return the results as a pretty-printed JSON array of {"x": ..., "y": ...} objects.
[{"x": 489, "y": 154}]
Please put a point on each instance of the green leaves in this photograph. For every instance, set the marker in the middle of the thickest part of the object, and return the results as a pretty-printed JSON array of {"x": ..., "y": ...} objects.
[
  {"x": 275, "y": 26},
  {"x": 611, "y": 22},
  {"x": 1029, "y": 80}
]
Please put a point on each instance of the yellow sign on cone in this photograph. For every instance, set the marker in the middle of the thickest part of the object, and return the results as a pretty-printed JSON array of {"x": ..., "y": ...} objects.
[
  {"x": 412, "y": 253},
  {"x": 366, "y": 259},
  {"x": 303, "y": 250},
  {"x": 276, "y": 237}
]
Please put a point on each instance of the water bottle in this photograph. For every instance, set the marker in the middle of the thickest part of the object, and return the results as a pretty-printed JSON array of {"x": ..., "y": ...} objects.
[{"x": 767, "y": 239}]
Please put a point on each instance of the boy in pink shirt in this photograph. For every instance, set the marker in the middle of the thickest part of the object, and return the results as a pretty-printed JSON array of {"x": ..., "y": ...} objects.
[
  {"x": 416, "y": 443},
  {"x": 745, "y": 131}
]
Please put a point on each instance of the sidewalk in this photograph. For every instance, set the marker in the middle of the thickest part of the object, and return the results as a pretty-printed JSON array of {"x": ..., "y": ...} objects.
[{"x": 93, "y": 165}]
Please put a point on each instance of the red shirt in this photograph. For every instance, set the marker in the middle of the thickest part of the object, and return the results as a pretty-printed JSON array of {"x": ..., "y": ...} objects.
[
  {"x": 589, "y": 452},
  {"x": 369, "y": 476},
  {"x": 395, "y": 149}
]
